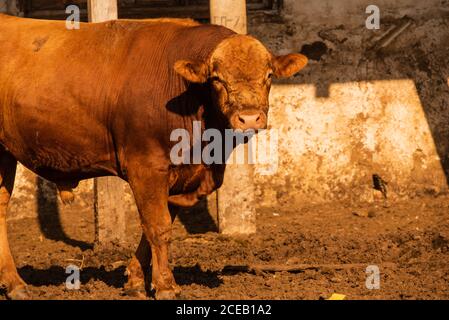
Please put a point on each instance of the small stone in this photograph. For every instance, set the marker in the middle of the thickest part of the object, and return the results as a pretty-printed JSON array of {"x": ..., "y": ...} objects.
[
  {"x": 362, "y": 214},
  {"x": 335, "y": 279}
]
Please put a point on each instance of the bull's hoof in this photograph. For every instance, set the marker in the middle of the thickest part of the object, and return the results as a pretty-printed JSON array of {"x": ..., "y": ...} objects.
[
  {"x": 19, "y": 293},
  {"x": 135, "y": 287},
  {"x": 136, "y": 293},
  {"x": 167, "y": 294}
]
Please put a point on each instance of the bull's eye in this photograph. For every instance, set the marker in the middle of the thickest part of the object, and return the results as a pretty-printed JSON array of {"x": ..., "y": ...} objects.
[{"x": 215, "y": 78}]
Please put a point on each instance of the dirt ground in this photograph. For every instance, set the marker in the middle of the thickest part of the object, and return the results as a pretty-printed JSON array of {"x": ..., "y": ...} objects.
[{"x": 327, "y": 248}]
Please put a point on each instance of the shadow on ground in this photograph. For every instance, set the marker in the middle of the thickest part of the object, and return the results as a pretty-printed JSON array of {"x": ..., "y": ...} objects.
[
  {"x": 49, "y": 217},
  {"x": 56, "y": 275}
]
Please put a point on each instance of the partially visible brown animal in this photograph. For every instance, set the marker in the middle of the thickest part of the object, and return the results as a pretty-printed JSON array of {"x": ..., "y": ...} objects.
[{"x": 103, "y": 100}]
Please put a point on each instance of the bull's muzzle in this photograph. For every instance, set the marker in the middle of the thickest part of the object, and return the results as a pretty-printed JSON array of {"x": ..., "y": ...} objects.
[{"x": 249, "y": 120}]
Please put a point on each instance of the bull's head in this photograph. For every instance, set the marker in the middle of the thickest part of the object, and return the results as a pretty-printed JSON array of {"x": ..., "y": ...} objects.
[{"x": 240, "y": 71}]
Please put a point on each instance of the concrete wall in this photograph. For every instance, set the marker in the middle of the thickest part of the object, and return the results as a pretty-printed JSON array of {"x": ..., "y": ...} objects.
[
  {"x": 329, "y": 148},
  {"x": 349, "y": 11},
  {"x": 346, "y": 116},
  {"x": 2, "y": 6}
]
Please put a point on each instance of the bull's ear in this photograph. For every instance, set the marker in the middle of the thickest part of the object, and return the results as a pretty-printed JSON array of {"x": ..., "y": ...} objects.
[
  {"x": 286, "y": 66},
  {"x": 192, "y": 71}
]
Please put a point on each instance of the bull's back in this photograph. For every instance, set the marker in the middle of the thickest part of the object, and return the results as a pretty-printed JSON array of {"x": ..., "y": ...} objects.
[{"x": 56, "y": 90}]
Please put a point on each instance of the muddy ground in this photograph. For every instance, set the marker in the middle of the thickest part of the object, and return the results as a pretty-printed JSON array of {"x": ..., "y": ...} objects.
[{"x": 327, "y": 248}]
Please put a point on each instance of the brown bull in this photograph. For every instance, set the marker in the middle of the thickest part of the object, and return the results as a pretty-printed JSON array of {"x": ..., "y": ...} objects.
[{"x": 103, "y": 100}]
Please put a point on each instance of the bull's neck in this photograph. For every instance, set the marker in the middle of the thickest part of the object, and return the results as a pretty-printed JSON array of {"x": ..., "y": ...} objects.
[{"x": 195, "y": 105}]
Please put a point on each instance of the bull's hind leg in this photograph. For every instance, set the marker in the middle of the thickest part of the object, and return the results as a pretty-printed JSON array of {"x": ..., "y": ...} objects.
[{"x": 15, "y": 286}]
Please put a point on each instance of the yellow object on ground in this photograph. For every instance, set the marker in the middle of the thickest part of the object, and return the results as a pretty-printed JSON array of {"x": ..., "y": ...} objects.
[{"x": 337, "y": 296}]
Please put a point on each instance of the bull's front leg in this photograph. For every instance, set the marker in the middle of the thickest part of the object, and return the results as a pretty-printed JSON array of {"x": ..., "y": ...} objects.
[
  {"x": 138, "y": 270},
  {"x": 150, "y": 188}
]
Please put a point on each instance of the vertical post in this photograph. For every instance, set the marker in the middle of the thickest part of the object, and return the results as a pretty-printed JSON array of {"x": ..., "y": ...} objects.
[
  {"x": 236, "y": 198},
  {"x": 110, "y": 211},
  {"x": 102, "y": 10},
  {"x": 110, "y": 207},
  {"x": 229, "y": 13},
  {"x": 12, "y": 7}
]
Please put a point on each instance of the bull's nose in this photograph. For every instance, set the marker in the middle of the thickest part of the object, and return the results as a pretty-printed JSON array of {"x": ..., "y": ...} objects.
[{"x": 250, "y": 120}]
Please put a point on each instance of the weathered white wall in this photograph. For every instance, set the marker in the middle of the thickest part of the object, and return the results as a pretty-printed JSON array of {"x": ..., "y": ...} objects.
[{"x": 329, "y": 148}]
